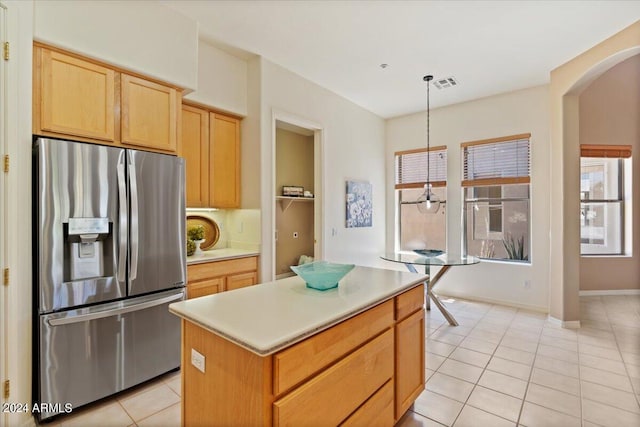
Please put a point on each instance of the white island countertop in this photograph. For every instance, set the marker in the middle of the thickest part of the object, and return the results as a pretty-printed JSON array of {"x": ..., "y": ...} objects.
[{"x": 271, "y": 316}]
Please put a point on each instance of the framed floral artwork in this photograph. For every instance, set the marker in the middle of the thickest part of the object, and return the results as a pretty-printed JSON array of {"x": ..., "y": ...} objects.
[{"x": 359, "y": 204}]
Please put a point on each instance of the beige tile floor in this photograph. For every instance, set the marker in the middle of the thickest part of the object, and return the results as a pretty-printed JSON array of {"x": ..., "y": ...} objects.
[
  {"x": 506, "y": 367},
  {"x": 501, "y": 367}
]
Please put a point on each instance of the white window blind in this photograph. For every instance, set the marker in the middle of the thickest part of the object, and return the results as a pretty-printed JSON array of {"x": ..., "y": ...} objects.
[
  {"x": 411, "y": 167},
  {"x": 505, "y": 160}
]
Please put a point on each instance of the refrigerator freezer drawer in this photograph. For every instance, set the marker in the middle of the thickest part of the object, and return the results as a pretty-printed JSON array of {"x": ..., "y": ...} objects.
[{"x": 91, "y": 353}]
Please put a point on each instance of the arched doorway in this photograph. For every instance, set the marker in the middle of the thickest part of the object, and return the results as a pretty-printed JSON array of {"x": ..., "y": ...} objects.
[{"x": 567, "y": 82}]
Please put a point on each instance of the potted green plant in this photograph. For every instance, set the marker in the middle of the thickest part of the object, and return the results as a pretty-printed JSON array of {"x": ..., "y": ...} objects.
[
  {"x": 191, "y": 247},
  {"x": 195, "y": 233}
]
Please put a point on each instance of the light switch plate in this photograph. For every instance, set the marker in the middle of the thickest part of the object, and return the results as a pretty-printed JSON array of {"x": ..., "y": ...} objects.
[{"x": 197, "y": 360}]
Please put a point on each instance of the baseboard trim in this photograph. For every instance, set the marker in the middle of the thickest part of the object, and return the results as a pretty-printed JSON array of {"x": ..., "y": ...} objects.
[
  {"x": 610, "y": 292},
  {"x": 536, "y": 308},
  {"x": 567, "y": 324}
]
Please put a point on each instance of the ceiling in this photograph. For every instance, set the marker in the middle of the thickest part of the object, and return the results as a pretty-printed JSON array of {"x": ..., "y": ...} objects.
[{"x": 490, "y": 47}]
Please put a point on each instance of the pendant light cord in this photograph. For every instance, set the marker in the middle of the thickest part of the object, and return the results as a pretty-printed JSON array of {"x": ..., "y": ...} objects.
[
  {"x": 428, "y": 147},
  {"x": 428, "y": 80}
]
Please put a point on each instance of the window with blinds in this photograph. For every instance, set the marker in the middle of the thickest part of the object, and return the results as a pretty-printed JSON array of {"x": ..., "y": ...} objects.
[
  {"x": 496, "y": 211},
  {"x": 497, "y": 161},
  {"x": 411, "y": 167}
]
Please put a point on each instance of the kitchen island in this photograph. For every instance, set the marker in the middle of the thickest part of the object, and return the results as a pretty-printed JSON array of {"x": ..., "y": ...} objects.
[{"x": 282, "y": 354}]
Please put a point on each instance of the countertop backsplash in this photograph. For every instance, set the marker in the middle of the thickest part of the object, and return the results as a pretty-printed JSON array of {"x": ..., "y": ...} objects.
[{"x": 239, "y": 228}]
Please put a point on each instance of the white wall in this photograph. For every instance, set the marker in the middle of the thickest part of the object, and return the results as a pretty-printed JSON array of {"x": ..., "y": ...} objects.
[
  {"x": 507, "y": 114},
  {"x": 222, "y": 80},
  {"x": 140, "y": 36},
  {"x": 20, "y": 26},
  {"x": 353, "y": 148},
  {"x": 132, "y": 35}
]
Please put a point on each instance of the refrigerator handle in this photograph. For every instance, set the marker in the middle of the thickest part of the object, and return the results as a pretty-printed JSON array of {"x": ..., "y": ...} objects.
[
  {"x": 113, "y": 312},
  {"x": 122, "y": 246},
  {"x": 133, "y": 273}
]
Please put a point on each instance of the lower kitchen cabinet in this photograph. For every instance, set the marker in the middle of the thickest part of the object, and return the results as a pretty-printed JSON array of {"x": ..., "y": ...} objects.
[
  {"x": 409, "y": 378},
  {"x": 237, "y": 281},
  {"x": 205, "y": 287},
  {"x": 219, "y": 276}
]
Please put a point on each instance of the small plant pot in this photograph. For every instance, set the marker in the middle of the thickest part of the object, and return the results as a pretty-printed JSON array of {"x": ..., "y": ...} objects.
[{"x": 198, "y": 251}]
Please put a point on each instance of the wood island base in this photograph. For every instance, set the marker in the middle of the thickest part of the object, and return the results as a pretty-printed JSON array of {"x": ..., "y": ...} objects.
[{"x": 366, "y": 370}]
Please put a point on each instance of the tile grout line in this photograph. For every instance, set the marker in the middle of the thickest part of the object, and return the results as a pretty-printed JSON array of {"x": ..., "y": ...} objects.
[
  {"x": 483, "y": 369},
  {"x": 126, "y": 412},
  {"x": 624, "y": 364},
  {"x": 526, "y": 390}
]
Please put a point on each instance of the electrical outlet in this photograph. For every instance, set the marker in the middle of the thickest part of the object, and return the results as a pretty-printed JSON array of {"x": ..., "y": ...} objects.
[
  {"x": 527, "y": 284},
  {"x": 240, "y": 227},
  {"x": 295, "y": 234},
  {"x": 197, "y": 360}
]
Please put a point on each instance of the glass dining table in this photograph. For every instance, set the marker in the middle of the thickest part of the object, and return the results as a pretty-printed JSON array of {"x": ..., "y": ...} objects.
[{"x": 445, "y": 261}]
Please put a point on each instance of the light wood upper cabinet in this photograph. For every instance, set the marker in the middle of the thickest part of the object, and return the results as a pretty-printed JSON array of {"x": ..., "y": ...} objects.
[
  {"x": 149, "y": 114},
  {"x": 81, "y": 99},
  {"x": 224, "y": 161},
  {"x": 194, "y": 147},
  {"x": 210, "y": 144},
  {"x": 73, "y": 96}
]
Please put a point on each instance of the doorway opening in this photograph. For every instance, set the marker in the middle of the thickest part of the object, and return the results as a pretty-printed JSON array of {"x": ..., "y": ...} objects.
[{"x": 297, "y": 190}]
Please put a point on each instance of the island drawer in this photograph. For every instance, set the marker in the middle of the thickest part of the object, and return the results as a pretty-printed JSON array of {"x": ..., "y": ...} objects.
[
  {"x": 410, "y": 301},
  {"x": 356, "y": 377},
  {"x": 375, "y": 412},
  {"x": 297, "y": 363}
]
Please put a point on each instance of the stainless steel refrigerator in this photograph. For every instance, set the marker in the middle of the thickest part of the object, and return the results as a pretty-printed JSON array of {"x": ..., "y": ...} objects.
[{"x": 109, "y": 257}]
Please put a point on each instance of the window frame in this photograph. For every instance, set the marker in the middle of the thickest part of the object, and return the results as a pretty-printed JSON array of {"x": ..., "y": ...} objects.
[
  {"x": 435, "y": 164},
  {"x": 496, "y": 178},
  {"x": 619, "y": 152}
]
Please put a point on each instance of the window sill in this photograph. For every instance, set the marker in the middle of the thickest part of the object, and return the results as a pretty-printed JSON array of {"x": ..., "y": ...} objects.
[{"x": 605, "y": 256}]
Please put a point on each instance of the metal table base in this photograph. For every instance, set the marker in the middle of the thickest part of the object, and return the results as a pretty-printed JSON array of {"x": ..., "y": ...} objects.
[{"x": 430, "y": 295}]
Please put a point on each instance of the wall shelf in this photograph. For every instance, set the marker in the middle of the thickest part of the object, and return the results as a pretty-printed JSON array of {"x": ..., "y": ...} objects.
[{"x": 285, "y": 201}]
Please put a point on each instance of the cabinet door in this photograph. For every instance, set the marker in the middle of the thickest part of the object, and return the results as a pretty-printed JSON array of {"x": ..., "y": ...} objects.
[
  {"x": 205, "y": 287},
  {"x": 194, "y": 147},
  {"x": 224, "y": 163},
  {"x": 409, "y": 380},
  {"x": 76, "y": 97},
  {"x": 149, "y": 114},
  {"x": 241, "y": 280}
]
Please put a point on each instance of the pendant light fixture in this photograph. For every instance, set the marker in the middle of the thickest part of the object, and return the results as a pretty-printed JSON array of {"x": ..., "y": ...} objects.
[{"x": 428, "y": 202}]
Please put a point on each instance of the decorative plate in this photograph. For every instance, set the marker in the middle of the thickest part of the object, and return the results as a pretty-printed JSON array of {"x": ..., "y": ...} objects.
[{"x": 211, "y": 230}]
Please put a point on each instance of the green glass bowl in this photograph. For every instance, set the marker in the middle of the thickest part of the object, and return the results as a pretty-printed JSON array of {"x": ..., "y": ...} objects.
[{"x": 322, "y": 275}]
